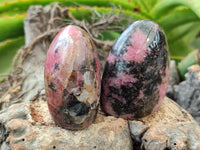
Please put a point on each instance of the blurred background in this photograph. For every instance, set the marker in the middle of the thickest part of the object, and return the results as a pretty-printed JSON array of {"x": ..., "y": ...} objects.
[{"x": 180, "y": 19}]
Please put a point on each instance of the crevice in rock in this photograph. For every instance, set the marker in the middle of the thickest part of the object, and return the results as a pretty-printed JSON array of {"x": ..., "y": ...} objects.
[
  {"x": 137, "y": 144},
  {"x": 3, "y": 133}
]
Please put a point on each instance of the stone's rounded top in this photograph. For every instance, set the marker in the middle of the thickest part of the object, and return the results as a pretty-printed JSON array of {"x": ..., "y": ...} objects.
[
  {"x": 72, "y": 31},
  {"x": 136, "y": 73},
  {"x": 142, "y": 34},
  {"x": 70, "y": 42},
  {"x": 72, "y": 78}
]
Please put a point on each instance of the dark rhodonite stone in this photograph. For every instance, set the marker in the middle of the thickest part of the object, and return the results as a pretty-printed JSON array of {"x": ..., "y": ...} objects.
[
  {"x": 72, "y": 79},
  {"x": 136, "y": 73}
]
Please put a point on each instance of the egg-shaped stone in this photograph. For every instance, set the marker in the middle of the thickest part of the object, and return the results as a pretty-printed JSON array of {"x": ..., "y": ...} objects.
[
  {"x": 136, "y": 73},
  {"x": 72, "y": 79}
]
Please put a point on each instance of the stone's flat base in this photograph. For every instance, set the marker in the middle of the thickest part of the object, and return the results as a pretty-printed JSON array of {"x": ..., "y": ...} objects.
[{"x": 30, "y": 126}]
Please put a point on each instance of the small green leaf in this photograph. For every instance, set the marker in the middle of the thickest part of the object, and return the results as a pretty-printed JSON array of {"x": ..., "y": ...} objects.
[{"x": 191, "y": 59}]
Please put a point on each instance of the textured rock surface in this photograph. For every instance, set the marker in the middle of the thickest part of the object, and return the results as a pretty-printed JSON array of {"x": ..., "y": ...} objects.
[
  {"x": 171, "y": 127},
  {"x": 136, "y": 73},
  {"x": 29, "y": 126},
  {"x": 187, "y": 93},
  {"x": 173, "y": 79},
  {"x": 72, "y": 78}
]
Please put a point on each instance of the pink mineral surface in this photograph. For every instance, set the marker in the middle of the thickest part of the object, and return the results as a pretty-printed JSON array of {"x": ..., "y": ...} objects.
[
  {"x": 72, "y": 79},
  {"x": 136, "y": 73}
]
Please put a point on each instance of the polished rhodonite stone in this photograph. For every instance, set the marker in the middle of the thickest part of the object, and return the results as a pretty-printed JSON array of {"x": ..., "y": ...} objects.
[
  {"x": 136, "y": 73},
  {"x": 72, "y": 79}
]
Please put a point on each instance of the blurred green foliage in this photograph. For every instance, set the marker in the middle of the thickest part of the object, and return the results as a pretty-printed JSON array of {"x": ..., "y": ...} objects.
[
  {"x": 180, "y": 19},
  {"x": 8, "y": 49}
]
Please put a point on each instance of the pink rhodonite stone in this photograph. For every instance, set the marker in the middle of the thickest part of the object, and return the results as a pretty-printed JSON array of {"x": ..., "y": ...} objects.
[
  {"x": 72, "y": 79},
  {"x": 136, "y": 73}
]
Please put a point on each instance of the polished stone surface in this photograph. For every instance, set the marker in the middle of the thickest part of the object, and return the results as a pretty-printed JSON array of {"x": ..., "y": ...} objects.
[
  {"x": 136, "y": 73},
  {"x": 72, "y": 79}
]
